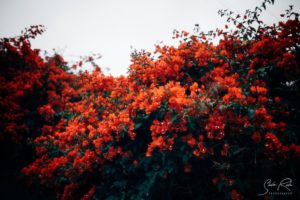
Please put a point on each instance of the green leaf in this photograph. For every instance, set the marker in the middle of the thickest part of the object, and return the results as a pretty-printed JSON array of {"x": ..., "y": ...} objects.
[
  {"x": 251, "y": 113},
  {"x": 237, "y": 108},
  {"x": 191, "y": 123},
  {"x": 120, "y": 184},
  {"x": 174, "y": 118},
  {"x": 220, "y": 186},
  {"x": 138, "y": 125},
  {"x": 112, "y": 198}
]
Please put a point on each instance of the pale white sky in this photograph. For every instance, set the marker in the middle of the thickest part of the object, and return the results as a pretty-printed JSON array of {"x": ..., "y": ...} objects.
[{"x": 110, "y": 27}]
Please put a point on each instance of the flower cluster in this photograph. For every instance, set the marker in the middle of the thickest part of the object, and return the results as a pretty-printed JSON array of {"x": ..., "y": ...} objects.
[{"x": 181, "y": 118}]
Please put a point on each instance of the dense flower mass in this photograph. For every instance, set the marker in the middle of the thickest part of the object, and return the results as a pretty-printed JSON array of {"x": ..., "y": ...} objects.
[{"x": 203, "y": 115}]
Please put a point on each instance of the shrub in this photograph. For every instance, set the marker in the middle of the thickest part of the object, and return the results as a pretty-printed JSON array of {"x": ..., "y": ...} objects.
[{"x": 203, "y": 120}]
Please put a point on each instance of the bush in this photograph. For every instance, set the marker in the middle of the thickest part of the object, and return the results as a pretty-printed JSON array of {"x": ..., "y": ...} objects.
[{"x": 203, "y": 120}]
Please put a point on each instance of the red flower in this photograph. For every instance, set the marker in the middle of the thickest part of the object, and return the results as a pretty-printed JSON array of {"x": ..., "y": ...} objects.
[
  {"x": 256, "y": 137},
  {"x": 235, "y": 195},
  {"x": 277, "y": 99},
  {"x": 187, "y": 168}
]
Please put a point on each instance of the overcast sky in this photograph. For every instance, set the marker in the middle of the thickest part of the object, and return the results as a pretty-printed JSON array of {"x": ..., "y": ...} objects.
[{"x": 110, "y": 27}]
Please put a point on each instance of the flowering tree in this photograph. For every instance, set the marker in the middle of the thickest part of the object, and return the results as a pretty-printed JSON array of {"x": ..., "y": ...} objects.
[{"x": 197, "y": 121}]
